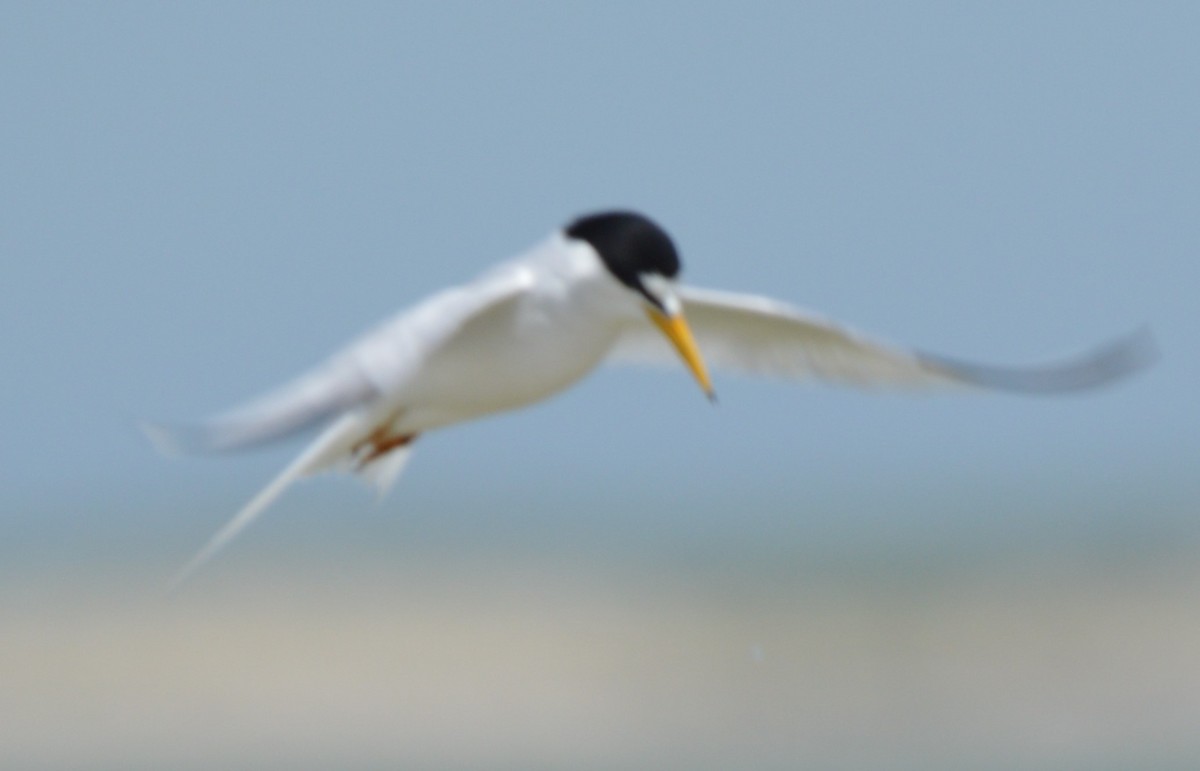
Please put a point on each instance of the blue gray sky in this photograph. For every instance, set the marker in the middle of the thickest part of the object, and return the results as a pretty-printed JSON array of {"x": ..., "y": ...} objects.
[{"x": 198, "y": 201}]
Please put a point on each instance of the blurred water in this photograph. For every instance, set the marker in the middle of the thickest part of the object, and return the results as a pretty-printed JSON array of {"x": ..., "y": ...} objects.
[{"x": 333, "y": 654}]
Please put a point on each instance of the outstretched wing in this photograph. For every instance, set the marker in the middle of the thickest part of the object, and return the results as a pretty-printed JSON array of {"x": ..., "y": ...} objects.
[
  {"x": 371, "y": 368},
  {"x": 761, "y": 336}
]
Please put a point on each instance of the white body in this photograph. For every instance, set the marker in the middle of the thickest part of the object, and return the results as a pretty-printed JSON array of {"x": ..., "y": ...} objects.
[
  {"x": 553, "y": 316},
  {"x": 537, "y": 324}
]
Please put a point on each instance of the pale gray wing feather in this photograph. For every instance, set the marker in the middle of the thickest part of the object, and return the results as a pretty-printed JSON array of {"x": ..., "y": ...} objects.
[
  {"x": 371, "y": 368},
  {"x": 308, "y": 400},
  {"x": 761, "y": 336},
  {"x": 1098, "y": 366}
]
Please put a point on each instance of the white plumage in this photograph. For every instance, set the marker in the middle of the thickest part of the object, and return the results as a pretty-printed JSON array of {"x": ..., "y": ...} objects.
[
  {"x": 755, "y": 335},
  {"x": 602, "y": 289}
]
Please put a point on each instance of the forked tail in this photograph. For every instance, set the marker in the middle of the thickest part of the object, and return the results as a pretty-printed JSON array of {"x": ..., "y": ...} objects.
[{"x": 332, "y": 446}]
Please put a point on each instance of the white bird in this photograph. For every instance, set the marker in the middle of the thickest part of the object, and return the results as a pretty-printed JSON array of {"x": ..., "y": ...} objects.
[{"x": 603, "y": 288}]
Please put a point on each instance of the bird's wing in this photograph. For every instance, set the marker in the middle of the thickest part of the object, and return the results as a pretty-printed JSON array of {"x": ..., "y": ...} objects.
[
  {"x": 373, "y": 366},
  {"x": 758, "y": 335},
  {"x": 394, "y": 352},
  {"x": 327, "y": 390}
]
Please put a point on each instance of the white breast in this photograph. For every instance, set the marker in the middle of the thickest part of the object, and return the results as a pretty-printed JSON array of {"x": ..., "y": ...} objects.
[{"x": 562, "y": 324}]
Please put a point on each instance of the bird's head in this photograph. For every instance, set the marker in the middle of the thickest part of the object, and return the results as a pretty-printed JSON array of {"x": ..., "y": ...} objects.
[{"x": 641, "y": 256}]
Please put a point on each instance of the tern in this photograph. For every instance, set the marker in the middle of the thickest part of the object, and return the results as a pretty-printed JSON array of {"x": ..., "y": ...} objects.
[{"x": 605, "y": 287}]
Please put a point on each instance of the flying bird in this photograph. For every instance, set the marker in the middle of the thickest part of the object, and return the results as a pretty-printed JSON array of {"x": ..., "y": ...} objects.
[{"x": 605, "y": 287}]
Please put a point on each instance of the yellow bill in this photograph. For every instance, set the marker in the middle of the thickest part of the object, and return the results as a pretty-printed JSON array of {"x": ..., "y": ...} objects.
[{"x": 676, "y": 329}]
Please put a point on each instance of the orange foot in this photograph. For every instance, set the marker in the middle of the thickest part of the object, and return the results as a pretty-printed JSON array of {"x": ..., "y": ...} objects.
[{"x": 380, "y": 443}]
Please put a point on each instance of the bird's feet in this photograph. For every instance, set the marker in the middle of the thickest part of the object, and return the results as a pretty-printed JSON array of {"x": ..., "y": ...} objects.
[{"x": 378, "y": 444}]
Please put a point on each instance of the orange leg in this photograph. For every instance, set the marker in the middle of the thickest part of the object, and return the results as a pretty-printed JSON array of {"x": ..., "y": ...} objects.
[{"x": 379, "y": 444}]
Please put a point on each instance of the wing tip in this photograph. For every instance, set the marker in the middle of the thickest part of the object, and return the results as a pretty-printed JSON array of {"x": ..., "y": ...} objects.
[
  {"x": 174, "y": 440},
  {"x": 1098, "y": 367},
  {"x": 1141, "y": 348}
]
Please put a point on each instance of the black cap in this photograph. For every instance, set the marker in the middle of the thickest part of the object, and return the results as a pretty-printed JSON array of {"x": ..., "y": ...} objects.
[{"x": 630, "y": 245}]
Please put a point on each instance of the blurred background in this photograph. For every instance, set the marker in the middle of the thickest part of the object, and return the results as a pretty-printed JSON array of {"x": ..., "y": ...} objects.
[{"x": 197, "y": 202}]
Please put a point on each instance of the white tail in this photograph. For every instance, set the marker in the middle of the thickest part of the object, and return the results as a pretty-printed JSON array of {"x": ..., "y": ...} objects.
[
  {"x": 331, "y": 445},
  {"x": 383, "y": 472}
]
